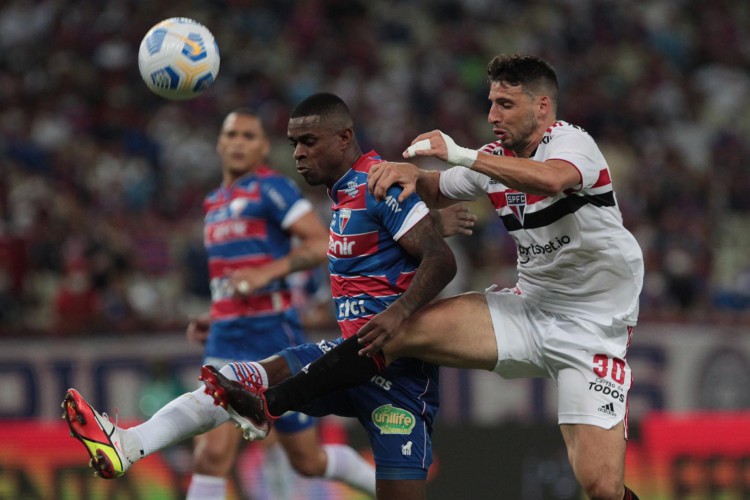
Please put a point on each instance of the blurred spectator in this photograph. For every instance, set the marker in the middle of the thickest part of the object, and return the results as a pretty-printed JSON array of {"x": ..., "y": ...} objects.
[{"x": 89, "y": 158}]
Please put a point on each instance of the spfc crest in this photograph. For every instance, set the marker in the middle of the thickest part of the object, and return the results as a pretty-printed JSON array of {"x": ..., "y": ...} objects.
[
  {"x": 344, "y": 215},
  {"x": 517, "y": 204}
]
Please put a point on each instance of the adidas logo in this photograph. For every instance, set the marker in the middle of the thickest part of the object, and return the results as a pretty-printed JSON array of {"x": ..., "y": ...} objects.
[{"x": 609, "y": 409}]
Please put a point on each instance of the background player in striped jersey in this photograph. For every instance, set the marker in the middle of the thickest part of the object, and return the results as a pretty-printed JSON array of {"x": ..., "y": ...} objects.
[
  {"x": 250, "y": 223},
  {"x": 387, "y": 260},
  {"x": 580, "y": 273}
]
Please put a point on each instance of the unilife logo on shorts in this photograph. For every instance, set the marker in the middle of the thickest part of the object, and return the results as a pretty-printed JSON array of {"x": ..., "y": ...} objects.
[{"x": 392, "y": 420}]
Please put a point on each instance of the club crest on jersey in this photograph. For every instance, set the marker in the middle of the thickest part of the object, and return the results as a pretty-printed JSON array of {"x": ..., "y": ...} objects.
[
  {"x": 344, "y": 215},
  {"x": 517, "y": 204},
  {"x": 236, "y": 206}
]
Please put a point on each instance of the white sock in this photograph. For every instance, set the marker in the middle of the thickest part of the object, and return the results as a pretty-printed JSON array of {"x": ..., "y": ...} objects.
[
  {"x": 184, "y": 417},
  {"x": 278, "y": 474},
  {"x": 348, "y": 466},
  {"x": 203, "y": 487}
]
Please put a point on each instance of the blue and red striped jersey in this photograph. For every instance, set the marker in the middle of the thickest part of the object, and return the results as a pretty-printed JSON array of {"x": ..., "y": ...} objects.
[
  {"x": 246, "y": 225},
  {"x": 369, "y": 269}
]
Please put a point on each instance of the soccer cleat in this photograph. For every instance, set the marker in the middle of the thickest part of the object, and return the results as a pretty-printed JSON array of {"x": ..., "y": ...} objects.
[
  {"x": 99, "y": 436},
  {"x": 244, "y": 401}
]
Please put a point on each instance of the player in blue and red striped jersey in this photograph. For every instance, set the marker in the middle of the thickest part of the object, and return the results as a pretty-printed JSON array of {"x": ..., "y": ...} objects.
[
  {"x": 386, "y": 261},
  {"x": 250, "y": 222}
]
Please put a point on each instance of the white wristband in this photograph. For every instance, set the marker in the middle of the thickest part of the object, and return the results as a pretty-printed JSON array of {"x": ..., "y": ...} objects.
[{"x": 458, "y": 155}]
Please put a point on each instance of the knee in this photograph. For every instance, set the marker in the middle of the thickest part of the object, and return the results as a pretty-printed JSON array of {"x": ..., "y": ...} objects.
[
  {"x": 308, "y": 464},
  {"x": 212, "y": 460}
]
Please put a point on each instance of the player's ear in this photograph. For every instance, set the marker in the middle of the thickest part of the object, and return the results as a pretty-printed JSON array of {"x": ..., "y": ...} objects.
[
  {"x": 544, "y": 105},
  {"x": 346, "y": 137}
]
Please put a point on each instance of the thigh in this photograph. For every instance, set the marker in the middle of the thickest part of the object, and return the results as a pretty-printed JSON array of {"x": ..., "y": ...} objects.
[
  {"x": 403, "y": 489},
  {"x": 594, "y": 452},
  {"x": 453, "y": 332}
]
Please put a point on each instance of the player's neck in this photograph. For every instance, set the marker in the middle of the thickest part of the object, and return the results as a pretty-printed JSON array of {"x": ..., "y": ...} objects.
[{"x": 230, "y": 177}]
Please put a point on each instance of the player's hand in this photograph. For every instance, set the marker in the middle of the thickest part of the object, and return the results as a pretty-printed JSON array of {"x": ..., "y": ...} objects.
[
  {"x": 437, "y": 143},
  {"x": 428, "y": 144},
  {"x": 385, "y": 174},
  {"x": 197, "y": 329},
  {"x": 456, "y": 219},
  {"x": 380, "y": 329},
  {"x": 247, "y": 280}
]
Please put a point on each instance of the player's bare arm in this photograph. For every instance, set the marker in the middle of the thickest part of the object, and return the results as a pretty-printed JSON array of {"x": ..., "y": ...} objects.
[
  {"x": 310, "y": 252},
  {"x": 526, "y": 175},
  {"x": 529, "y": 176},
  {"x": 436, "y": 269}
]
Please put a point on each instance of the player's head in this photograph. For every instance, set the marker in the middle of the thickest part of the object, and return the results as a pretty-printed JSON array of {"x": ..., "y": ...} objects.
[
  {"x": 242, "y": 143},
  {"x": 523, "y": 99},
  {"x": 321, "y": 130}
]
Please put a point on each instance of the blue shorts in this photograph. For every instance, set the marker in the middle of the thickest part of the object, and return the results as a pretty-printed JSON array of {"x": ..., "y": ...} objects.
[
  {"x": 397, "y": 409},
  {"x": 255, "y": 339}
]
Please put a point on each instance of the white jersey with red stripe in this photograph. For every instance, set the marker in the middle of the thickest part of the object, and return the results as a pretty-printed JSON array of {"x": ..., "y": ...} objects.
[{"x": 575, "y": 257}]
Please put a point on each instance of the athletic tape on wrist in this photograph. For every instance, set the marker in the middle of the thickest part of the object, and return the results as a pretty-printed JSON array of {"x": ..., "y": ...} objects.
[{"x": 458, "y": 155}]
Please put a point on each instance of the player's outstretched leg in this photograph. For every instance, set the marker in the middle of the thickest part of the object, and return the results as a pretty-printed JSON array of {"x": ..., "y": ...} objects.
[
  {"x": 243, "y": 400},
  {"x": 102, "y": 439}
]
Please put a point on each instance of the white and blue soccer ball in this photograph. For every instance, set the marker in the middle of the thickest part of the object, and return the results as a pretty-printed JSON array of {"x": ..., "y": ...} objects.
[{"x": 179, "y": 58}]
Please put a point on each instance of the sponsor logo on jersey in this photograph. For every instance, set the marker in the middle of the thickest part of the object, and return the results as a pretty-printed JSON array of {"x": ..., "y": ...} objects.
[
  {"x": 517, "y": 204},
  {"x": 351, "y": 308},
  {"x": 277, "y": 199},
  {"x": 351, "y": 189},
  {"x": 392, "y": 420},
  {"x": 525, "y": 252},
  {"x": 406, "y": 449},
  {"x": 609, "y": 409},
  {"x": 352, "y": 245},
  {"x": 344, "y": 215},
  {"x": 340, "y": 247},
  {"x": 392, "y": 203},
  {"x": 233, "y": 229}
]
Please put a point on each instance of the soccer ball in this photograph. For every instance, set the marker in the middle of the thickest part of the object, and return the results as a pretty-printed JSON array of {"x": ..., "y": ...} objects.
[{"x": 178, "y": 58}]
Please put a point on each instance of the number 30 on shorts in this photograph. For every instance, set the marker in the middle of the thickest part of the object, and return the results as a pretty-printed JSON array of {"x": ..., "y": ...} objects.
[{"x": 615, "y": 367}]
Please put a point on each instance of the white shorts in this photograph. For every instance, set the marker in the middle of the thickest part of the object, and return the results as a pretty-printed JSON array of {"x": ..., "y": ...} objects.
[{"x": 585, "y": 359}]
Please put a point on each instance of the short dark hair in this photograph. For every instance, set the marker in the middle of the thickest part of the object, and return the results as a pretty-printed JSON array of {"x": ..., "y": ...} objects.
[
  {"x": 534, "y": 74},
  {"x": 244, "y": 111},
  {"x": 329, "y": 107}
]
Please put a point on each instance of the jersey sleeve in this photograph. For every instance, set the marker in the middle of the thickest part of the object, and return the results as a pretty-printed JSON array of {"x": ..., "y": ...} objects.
[
  {"x": 575, "y": 146},
  {"x": 285, "y": 202},
  {"x": 461, "y": 183},
  {"x": 397, "y": 217}
]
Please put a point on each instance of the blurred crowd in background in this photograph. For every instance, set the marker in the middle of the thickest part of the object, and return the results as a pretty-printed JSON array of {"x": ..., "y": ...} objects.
[{"x": 101, "y": 182}]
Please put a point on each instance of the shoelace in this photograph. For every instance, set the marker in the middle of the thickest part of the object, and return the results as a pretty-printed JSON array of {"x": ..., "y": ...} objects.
[{"x": 248, "y": 377}]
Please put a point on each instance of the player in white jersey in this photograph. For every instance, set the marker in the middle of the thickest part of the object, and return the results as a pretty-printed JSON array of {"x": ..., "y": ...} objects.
[{"x": 580, "y": 271}]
